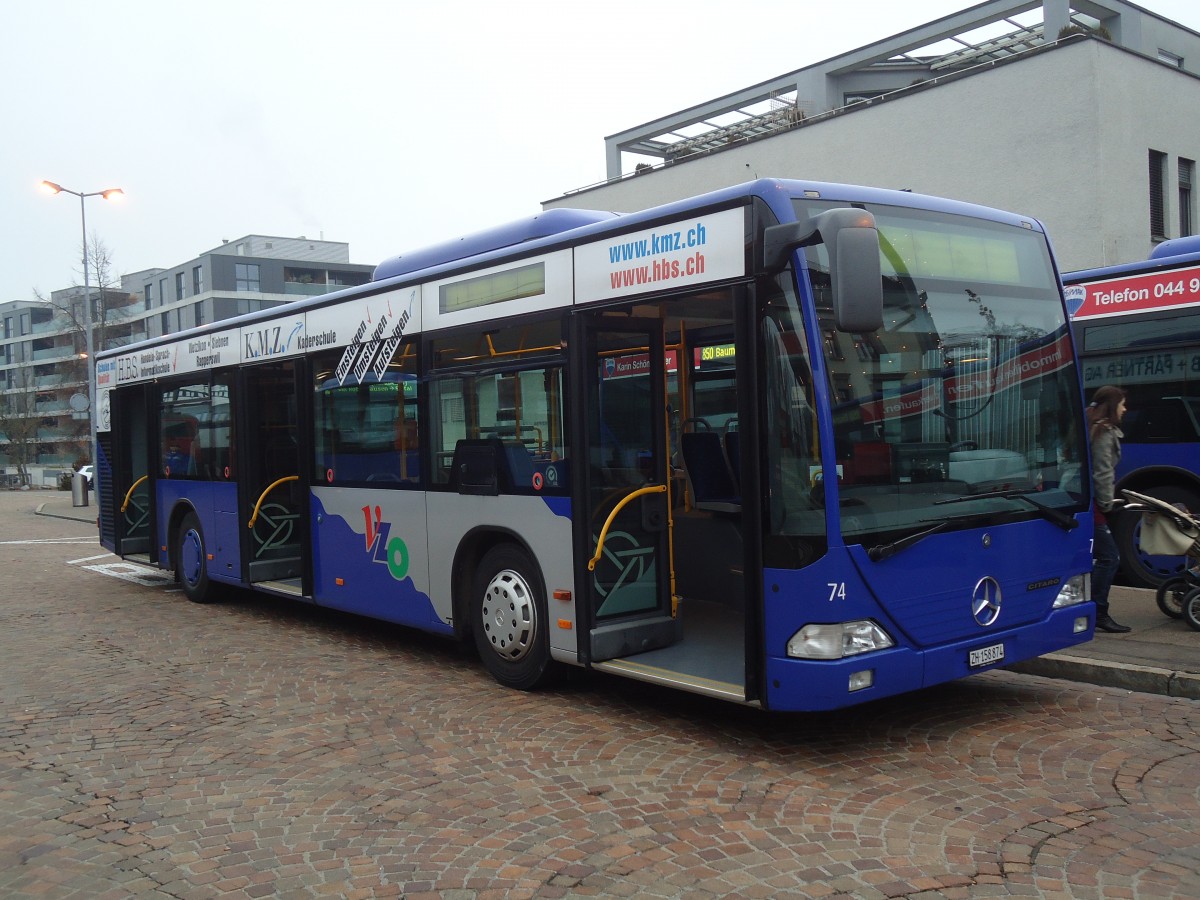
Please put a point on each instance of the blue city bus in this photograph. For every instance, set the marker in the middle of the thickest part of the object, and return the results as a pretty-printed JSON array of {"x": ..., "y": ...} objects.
[
  {"x": 793, "y": 445},
  {"x": 1138, "y": 326}
]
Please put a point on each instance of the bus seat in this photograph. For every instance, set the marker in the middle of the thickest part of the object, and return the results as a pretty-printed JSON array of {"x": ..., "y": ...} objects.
[
  {"x": 520, "y": 464},
  {"x": 489, "y": 466},
  {"x": 733, "y": 453},
  {"x": 476, "y": 466},
  {"x": 713, "y": 487}
]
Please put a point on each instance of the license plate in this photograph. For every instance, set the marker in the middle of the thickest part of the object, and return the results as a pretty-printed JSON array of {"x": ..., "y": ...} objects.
[{"x": 985, "y": 656}]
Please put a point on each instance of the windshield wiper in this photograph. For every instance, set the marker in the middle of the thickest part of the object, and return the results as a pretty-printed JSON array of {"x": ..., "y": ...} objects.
[
  {"x": 1049, "y": 513},
  {"x": 881, "y": 552}
]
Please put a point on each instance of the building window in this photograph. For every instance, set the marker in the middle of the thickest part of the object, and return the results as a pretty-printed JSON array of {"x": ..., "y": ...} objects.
[
  {"x": 246, "y": 276},
  {"x": 199, "y": 307},
  {"x": 1187, "y": 170},
  {"x": 1170, "y": 58},
  {"x": 149, "y": 295},
  {"x": 162, "y": 291},
  {"x": 1158, "y": 200},
  {"x": 851, "y": 97},
  {"x": 198, "y": 280},
  {"x": 178, "y": 285}
]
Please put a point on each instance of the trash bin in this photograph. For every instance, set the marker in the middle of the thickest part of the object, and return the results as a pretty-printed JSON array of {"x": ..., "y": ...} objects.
[{"x": 79, "y": 489}]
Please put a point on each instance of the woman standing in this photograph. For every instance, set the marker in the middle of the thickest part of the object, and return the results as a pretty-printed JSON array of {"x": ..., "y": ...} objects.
[{"x": 1104, "y": 418}]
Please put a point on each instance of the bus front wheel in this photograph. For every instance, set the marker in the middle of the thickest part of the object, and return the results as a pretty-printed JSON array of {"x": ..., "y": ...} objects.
[
  {"x": 509, "y": 619},
  {"x": 191, "y": 561}
]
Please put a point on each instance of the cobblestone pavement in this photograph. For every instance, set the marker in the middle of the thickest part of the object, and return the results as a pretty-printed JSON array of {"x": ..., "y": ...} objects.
[{"x": 151, "y": 747}]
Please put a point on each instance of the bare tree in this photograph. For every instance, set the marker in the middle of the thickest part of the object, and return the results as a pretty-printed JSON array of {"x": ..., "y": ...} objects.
[
  {"x": 107, "y": 298},
  {"x": 69, "y": 310}
]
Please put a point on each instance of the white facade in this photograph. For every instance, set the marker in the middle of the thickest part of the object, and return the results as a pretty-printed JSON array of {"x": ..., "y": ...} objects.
[{"x": 1062, "y": 131}]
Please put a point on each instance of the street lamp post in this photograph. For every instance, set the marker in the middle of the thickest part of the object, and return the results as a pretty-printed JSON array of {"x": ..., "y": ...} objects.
[{"x": 87, "y": 303}]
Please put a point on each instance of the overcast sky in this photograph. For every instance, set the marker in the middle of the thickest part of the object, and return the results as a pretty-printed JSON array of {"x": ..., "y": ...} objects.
[{"x": 386, "y": 125}]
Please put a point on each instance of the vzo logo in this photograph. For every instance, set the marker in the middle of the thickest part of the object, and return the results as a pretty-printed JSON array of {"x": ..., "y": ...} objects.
[{"x": 392, "y": 552}]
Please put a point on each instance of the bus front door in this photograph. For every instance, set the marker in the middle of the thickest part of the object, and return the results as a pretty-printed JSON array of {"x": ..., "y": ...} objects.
[
  {"x": 273, "y": 495},
  {"x": 624, "y": 525}
]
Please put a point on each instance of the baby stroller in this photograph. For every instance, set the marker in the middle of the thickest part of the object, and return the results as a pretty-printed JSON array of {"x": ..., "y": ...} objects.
[{"x": 1170, "y": 531}]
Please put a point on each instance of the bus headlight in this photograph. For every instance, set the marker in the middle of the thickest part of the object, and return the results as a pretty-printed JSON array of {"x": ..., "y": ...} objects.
[
  {"x": 838, "y": 640},
  {"x": 1077, "y": 590}
]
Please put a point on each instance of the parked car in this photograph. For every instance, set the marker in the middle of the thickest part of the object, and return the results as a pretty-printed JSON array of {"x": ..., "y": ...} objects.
[{"x": 87, "y": 472}]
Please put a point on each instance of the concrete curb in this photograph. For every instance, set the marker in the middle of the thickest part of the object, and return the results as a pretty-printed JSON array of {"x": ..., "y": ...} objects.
[
  {"x": 1147, "y": 679},
  {"x": 87, "y": 519}
]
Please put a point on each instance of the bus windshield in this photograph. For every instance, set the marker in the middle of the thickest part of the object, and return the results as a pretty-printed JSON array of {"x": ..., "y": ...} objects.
[{"x": 965, "y": 396}]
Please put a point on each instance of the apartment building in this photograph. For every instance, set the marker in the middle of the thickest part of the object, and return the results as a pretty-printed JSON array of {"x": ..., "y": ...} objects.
[{"x": 43, "y": 380}]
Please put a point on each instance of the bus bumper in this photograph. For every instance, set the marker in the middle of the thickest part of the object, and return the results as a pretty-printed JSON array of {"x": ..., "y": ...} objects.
[{"x": 800, "y": 685}]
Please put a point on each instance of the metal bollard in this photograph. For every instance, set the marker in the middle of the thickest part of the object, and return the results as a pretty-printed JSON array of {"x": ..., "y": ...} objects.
[{"x": 79, "y": 489}]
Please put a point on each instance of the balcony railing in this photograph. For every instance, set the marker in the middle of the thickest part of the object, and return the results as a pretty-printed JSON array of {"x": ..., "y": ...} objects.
[
  {"x": 52, "y": 381},
  {"x": 299, "y": 288},
  {"x": 54, "y": 353}
]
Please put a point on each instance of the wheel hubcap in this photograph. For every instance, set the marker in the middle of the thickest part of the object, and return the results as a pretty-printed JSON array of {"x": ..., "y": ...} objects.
[
  {"x": 509, "y": 616},
  {"x": 191, "y": 558}
]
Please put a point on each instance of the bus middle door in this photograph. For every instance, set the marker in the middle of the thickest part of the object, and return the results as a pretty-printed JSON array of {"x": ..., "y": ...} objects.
[{"x": 273, "y": 491}]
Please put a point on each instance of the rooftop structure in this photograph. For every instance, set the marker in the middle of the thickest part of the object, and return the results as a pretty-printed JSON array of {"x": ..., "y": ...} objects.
[
  {"x": 1076, "y": 112},
  {"x": 983, "y": 35}
]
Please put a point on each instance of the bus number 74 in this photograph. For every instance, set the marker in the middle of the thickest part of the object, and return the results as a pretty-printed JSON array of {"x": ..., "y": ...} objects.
[{"x": 837, "y": 590}]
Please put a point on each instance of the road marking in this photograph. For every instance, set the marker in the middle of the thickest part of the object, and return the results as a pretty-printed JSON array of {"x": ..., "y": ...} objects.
[
  {"x": 142, "y": 575},
  {"x": 75, "y": 562},
  {"x": 147, "y": 576},
  {"x": 51, "y": 541}
]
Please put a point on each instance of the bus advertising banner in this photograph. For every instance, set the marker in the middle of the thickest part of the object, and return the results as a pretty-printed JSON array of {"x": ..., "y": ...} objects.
[
  {"x": 693, "y": 251},
  {"x": 1135, "y": 293}
]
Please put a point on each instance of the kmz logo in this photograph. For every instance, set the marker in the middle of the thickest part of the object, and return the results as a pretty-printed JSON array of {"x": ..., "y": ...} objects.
[
  {"x": 268, "y": 341},
  {"x": 393, "y": 552}
]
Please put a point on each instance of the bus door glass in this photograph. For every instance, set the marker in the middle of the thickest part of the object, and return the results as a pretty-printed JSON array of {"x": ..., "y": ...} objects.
[
  {"x": 626, "y": 444},
  {"x": 273, "y": 492},
  {"x": 131, "y": 494}
]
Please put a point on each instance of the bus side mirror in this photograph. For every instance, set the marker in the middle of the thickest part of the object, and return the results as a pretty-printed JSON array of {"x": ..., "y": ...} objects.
[{"x": 852, "y": 241}]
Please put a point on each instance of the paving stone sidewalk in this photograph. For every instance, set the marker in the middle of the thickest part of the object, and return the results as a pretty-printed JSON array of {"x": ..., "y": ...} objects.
[{"x": 155, "y": 748}]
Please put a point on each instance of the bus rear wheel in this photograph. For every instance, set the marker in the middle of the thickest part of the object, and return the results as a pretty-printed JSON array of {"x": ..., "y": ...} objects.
[
  {"x": 1138, "y": 568},
  {"x": 509, "y": 619},
  {"x": 191, "y": 560}
]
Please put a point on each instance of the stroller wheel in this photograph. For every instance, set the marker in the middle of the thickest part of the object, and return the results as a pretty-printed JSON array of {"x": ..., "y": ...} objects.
[
  {"x": 1191, "y": 608},
  {"x": 1171, "y": 593}
]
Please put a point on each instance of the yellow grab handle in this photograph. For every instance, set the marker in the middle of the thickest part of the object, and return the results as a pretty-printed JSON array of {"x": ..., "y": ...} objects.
[
  {"x": 651, "y": 489},
  {"x": 125, "y": 505},
  {"x": 263, "y": 496}
]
